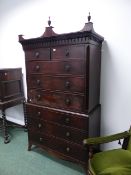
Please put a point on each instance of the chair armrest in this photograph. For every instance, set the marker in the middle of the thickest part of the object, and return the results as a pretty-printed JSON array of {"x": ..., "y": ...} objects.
[{"x": 105, "y": 139}]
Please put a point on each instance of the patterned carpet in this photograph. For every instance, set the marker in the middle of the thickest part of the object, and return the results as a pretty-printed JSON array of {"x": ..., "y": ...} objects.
[{"x": 16, "y": 160}]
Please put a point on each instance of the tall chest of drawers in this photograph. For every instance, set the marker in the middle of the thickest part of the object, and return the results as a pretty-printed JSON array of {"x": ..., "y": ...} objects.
[{"x": 63, "y": 89}]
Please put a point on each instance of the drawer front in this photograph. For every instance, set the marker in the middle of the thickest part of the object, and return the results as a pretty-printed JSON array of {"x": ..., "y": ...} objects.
[
  {"x": 55, "y": 67},
  {"x": 67, "y": 148},
  {"x": 63, "y": 83},
  {"x": 38, "y": 54},
  {"x": 10, "y": 74},
  {"x": 11, "y": 90},
  {"x": 50, "y": 128},
  {"x": 65, "y": 52},
  {"x": 58, "y": 117},
  {"x": 57, "y": 99}
]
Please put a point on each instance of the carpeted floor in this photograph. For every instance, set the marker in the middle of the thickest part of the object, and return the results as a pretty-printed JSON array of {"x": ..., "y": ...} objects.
[{"x": 16, "y": 160}]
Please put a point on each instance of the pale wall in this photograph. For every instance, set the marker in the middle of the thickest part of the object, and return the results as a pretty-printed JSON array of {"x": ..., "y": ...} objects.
[{"x": 111, "y": 18}]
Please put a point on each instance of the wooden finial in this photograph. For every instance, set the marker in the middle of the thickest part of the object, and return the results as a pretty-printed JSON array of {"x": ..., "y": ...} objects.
[
  {"x": 49, "y": 30},
  {"x": 89, "y": 17},
  {"x": 49, "y": 21}
]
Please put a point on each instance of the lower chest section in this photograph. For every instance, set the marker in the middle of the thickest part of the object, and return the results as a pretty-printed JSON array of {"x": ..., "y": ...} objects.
[{"x": 58, "y": 131}]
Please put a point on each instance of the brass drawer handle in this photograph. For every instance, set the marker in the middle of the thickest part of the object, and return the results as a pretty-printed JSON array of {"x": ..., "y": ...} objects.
[
  {"x": 37, "y": 67},
  {"x": 37, "y": 54},
  {"x": 39, "y": 125},
  {"x": 68, "y": 149},
  {"x": 38, "y": 113},
  {"x": 5, "y": 73},
  {"x": 67, "y": 101},
  {"x": 38, "y": 82},
  {"x": 67, "y": 68},
  {"x": 68, "y": 134},
  {"x": 38, "y": 97},
  {"x": 30, "y": 100},
  {"x": 41, "y": 139},
  {"x": 67, "y": 84},
  {"x": 67, "y": 120}
]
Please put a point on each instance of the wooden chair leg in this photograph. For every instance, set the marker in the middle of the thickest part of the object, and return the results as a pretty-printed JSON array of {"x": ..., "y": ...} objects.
[{"x": 6, "y": 136}]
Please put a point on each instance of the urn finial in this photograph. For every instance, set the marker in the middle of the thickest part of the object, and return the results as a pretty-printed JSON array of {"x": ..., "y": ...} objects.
[
  {"x": 89, "y": 17},
  {"x": 49, "y": 21}
]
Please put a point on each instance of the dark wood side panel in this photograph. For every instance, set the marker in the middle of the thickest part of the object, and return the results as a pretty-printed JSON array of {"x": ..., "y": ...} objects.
[
  {"x": 93, "y": 81},
  {"x": 94, "y": 122}
]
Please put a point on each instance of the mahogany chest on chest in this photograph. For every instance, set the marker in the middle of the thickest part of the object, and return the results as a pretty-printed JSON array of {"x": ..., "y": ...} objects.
[{"x": 63, "y": 89}]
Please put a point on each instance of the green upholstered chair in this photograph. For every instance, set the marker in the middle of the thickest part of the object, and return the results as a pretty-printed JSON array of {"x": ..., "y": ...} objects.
[{"x": 110, "y": 162}]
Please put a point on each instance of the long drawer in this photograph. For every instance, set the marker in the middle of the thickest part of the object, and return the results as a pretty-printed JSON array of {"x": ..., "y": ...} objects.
[
  {"x": 10, "y": 74},
  {"x": 74, "y": 102},
  {"x": 63, "y": 83},
  {"x": 66, "y": 148},
  {"x": 10, "y": 84},
  {"x": 10, "y": 90},
  {"x": 65, "y": 118},
  {"x": 71, "y": 66},
  {"x": 65, "y": 132}
]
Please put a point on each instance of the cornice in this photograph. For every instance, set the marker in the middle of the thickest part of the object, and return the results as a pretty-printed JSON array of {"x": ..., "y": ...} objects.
[{"x": 50, "y": 38}]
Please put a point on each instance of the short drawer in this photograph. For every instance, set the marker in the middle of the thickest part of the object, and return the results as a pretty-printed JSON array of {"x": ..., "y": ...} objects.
[
  {"x": 10, "y": 74},
  {"x": 68, "y": 133},
  {"x": 65, "y": 118},
  {"x": 63, "y": 83},
  {"x": 73, "y": 102},
  {"x": 66, "y": 148},
  {"x": 65, "y": 52},
  {"x": 38, "y": 54},
  {"x": 55, "y": 67}
]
